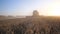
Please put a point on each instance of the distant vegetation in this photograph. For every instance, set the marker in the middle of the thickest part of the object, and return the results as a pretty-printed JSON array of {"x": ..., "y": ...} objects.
[
  {"x": 40, "y": 25},
  {"x": 2, "y": 17}
]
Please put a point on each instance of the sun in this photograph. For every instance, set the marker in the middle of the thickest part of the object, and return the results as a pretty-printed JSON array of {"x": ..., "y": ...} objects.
[{"x": 54, "y": 10}]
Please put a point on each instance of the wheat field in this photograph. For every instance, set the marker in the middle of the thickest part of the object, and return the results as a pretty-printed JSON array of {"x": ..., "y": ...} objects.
[{"x": 33, "y": 25}]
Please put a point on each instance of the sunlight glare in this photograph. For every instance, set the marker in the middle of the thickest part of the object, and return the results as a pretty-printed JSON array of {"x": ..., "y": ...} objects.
[{"x": 55, "y": 10}]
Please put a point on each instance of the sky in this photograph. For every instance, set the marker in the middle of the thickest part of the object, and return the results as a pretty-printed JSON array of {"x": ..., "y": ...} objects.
[{"x": 26, "y": 7}]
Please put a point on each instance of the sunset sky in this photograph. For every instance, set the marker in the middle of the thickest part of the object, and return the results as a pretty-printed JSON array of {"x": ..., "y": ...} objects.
[{"x": 26, "y": 7}]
